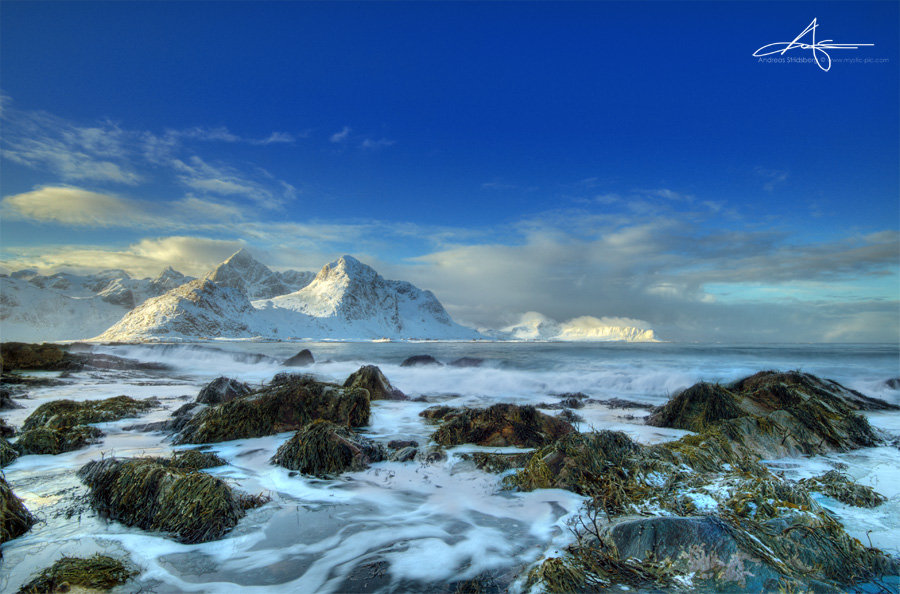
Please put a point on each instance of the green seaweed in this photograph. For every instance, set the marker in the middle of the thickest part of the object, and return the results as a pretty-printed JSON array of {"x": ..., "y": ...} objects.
[
  {"x": 323, "y": 448},
  {"x": 99, "y": 572},
  {"x": 15, "y": 519}
]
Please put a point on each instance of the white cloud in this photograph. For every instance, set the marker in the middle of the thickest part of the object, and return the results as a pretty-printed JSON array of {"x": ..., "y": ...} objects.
[
  {"x": 342, "y": 135},
  {"x": 74, "y": 206}
]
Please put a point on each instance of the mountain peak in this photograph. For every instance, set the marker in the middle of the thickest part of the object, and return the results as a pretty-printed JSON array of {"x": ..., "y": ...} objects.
[{"x": 241, "y": 258}]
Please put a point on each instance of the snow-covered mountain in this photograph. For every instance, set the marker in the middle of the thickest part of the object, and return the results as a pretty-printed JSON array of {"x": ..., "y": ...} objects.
[
  {"x": 538, "y": 327},
  {"x": 252, "y": 278},
  {"x": 65, "y": 306},
  {"x": 345, "y": 300},
  {"x": 199, "y": 309},
  {"x": 348, "y": 299}
]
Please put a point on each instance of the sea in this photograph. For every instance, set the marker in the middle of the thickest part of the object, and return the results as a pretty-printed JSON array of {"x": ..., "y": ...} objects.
[{"x": 415, "y": 526}]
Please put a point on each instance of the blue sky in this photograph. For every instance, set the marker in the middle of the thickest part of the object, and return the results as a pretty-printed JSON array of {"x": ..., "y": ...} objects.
[{"x": 627, "y": 160}]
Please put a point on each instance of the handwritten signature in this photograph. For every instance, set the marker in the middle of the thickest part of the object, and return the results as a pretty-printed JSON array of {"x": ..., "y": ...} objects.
[{"x": 817, "y": 48}]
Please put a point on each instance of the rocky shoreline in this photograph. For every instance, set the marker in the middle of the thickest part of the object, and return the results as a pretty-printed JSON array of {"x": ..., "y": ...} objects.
[{"x": 701, "y": 513}]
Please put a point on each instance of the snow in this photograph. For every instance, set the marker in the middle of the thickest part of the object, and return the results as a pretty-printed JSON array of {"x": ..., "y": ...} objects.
[{"x": 536, "y": 326}]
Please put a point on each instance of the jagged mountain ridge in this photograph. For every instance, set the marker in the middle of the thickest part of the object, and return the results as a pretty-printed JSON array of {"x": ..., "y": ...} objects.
[
  {"x": 252, "y": 278},
  {"x": 346, "y": 300},
  {"x": 537, "y": 327}
]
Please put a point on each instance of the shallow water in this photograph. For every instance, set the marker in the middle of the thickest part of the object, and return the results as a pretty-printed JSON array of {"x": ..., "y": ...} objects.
[{"x": 401, "y": 527}]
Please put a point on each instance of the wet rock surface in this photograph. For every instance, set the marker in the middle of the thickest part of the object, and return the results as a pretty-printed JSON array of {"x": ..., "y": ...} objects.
[
  {"x": 15, "y": 519},
  {"x": 222, "y": 389},
  {"x": 302, "y": 359},
  {"x": 371, "y": 379},
  {"x": 420, "y": 360},
  {"x": 99, "y": 573}
]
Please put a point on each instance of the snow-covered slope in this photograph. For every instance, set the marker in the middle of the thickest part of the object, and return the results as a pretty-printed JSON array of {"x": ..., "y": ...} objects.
[
  {"x": 348, "y": 299},
  {"x": 64, "y": 306},
  {"x": 199, "y": 309},
  {"x": 536, "y": 326},
  {"x": 29, "y": 313},
  {"x": 242, "y": 272}
]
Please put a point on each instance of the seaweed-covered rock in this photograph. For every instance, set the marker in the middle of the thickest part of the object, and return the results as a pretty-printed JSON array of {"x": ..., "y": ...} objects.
[
  {"x": 697, "y": 408},
  {"x": 493, "y": 462},
  {"x": 45, "y": 357},
  {"x": 323, "y": 448},
  {"x": 501, "y": 425},
  {"x": 97, "y": 573},
  {"x": 151, "y": 494},
  {"x": 772, "y": 414},
  {"x": 15, "y": 519},
  {"x": 421, "y": 360},
  {"x": 60, "y": 414},
  {"x": 8, "y": 454},
  {"x": 288, "y": 403},
  {"x": 371, "y": 379},
  {"x": 302, "y": 359},
  {"x": 222, "y": 389},
  {"x": 52, "y": 441}
]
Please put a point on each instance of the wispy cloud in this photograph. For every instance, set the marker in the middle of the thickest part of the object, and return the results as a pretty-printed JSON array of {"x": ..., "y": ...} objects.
[
  {"x": 341, "y": 136},
  {"x": 772, "y": 177}
]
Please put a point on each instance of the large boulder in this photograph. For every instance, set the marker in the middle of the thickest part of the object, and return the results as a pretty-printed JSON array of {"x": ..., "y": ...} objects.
[
  {"x": 371, "y": 379},
  {"x": 323, "y": 448},
  {"x": 222, "y": 389},
  {"x": 420, "y": 361},
  {"x": 153, "y": 494},
  {"x": 288, "y": 403},
  {"x": 773, "y": 414},
  {"x": 59, "y": 414},
  {"x": 302, "y": 359},
  {"x": 500, "y": 425},
  {"x": 44, "y": 357}
]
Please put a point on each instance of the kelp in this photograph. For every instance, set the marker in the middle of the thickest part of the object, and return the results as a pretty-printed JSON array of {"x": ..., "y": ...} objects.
[
  {"x": 323, "y": 448},
  {"x": 500, "y": 425},
  {"x": 15, "y": 519},
  {"x": 152, "y": 494},
  {"x": 288, "y": 403},
  {"x": 222, "y": 389},
  {"x": 196, "y": 459},
  {"x": 697, "y": 408},
  {"x": 8, "y": 454},
  {"x": 838, "y": 486},
  {"x": 497, "y": 463},
  {"x": 99, "y": 572},
  {"x": 53, "y": 441},
  {"x": 60, "y": 414}
]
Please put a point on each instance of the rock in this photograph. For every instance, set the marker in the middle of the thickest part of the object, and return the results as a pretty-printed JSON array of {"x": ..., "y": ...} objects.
[
  {"x": 501, "y": 425},
  {"x": 44, "y": 357},
  {"x": 399, "y": 444},
  {"x": 404, "y": 454},
  {"x": 196, "y": 459},
  {"x": 431, "y": 455},
  {"x": 467, "y": 362},
  {"x": 894, "y": 383},
  {"x": 8, "y": 454},
  {"x": 151, "y": 494},
  {"x": 323, "y": 448},
  {"x": 490, "y": 462},
  {"x": 371, "y": 379},
  {"x": 99, "y": 573},
  {"x": 69, "y": 413},
  {"x": 222, "y": 389},
  {"x": 421, "y": 360},
  {"x": 15, "y": 519},
  {"x": 302, "y": 359},
  {"x": 840, "y": 487},
  {"x": 773, "y": 414},
  {"x": 435, "y": 414},
  {"x": 288, "y": 403},
  {"x": 6, "y": 430},
  {"x": 622, "y": 403},
  {"x": 6, "y": 401},
  {"x": 704, "y": 546},
  {"x": 52, "y": 441}
]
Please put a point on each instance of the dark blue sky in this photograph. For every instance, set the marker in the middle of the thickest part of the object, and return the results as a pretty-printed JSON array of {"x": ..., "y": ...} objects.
[{"x": 636, "y": 153}]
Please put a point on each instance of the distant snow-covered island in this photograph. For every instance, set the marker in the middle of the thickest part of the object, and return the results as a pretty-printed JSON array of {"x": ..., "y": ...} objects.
[{"x": 242, "y": 299}]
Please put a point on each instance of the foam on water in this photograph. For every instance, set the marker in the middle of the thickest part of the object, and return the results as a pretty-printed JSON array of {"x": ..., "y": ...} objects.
[{"x": 405, "y": 526}]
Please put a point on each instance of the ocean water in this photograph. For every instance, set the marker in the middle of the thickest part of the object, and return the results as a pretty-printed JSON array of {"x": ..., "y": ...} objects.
[{"x": 406, "y": 527}]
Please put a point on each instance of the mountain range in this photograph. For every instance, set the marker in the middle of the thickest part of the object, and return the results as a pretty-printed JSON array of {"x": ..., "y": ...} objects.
[{"x": 243, "y": 299}]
